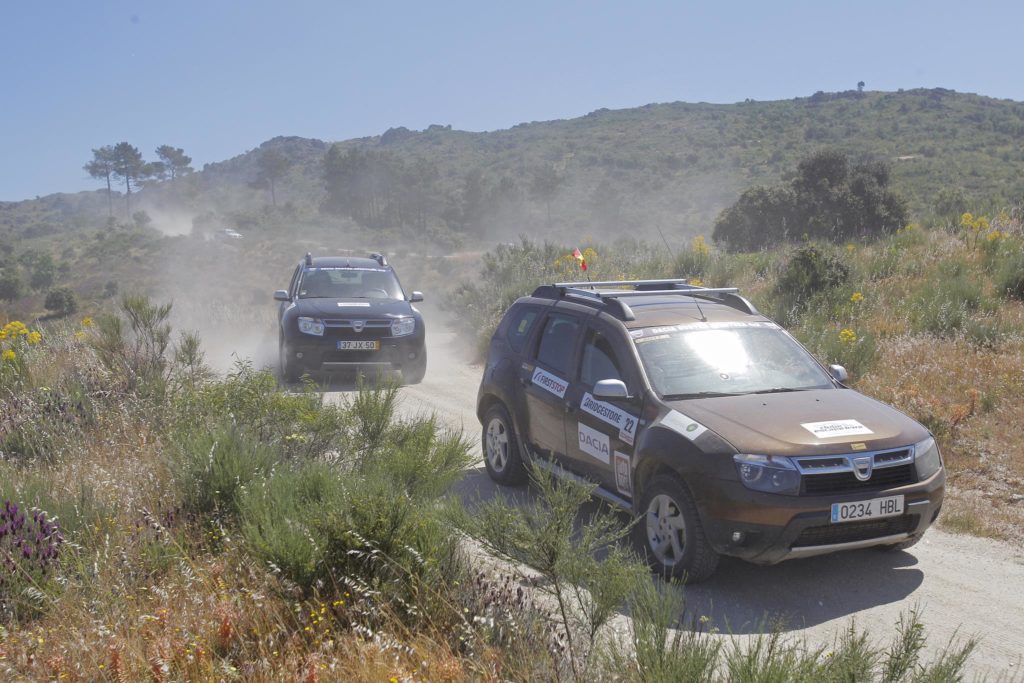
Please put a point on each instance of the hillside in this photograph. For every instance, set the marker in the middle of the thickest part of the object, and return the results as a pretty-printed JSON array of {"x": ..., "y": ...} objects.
[{"x": 673, "y": 166}]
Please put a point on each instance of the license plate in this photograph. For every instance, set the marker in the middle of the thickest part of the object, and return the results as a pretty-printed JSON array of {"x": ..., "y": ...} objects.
[
  {"x": 360, "y": 345},
  {"x": 890, "y": 506}
]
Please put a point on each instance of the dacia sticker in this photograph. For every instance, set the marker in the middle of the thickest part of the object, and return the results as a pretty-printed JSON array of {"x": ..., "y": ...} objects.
[
  {"x": 834, "y": 428},
  {"x": 684, "y": 425},
  {"x": 548, "y": 382},
  {"x": 623, "y": 475},
  {"x": 606, "y": 412},
  {"x": 593, "y": 442}
]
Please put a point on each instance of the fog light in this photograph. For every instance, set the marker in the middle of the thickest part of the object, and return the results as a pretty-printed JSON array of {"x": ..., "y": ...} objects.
[
  {"x": 412, "y": 356},
  {"x": 737, "y": 536},
  {"x": 299, "y": 354}
]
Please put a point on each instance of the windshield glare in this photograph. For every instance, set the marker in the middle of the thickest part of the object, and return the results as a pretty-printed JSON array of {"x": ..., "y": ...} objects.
[
  {"x": 722, "y": 359},
  {"x": 349, "y": 283}
]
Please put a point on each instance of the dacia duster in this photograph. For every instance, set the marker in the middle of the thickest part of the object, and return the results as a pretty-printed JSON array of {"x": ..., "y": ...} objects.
[
  {"x": 347, "y": 313},
  {"x": 692, "y": 411}
]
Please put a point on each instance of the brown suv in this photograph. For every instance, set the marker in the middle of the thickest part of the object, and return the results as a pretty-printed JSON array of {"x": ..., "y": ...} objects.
[{"x": 687, "y": 407}]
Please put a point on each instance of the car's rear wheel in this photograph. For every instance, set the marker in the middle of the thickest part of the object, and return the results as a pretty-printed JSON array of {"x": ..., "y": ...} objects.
[
  {"x": 669, "y": 533},
  {"x": 501, "y": 448}
]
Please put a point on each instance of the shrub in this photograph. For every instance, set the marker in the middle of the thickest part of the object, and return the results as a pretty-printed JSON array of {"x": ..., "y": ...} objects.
[
  {"x": 1009, "y": 274},
  {"x": 61, "y": 301},
  {"x": 215, "y": 467}
]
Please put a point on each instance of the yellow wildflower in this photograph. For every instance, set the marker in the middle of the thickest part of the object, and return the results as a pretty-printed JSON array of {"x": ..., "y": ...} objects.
[
  {"x": 696, "y": 282},
  {"x": 34, "y": 337},
  {"x": 856, "y": 297},
  {"x": 700, "y": 247},
  {"x": 995, "y": 236},
  {"x": 966, "y": 220},
  {"x": 851, "y": 247},
  {"x": 87, "y": 322},
  {"x": 847, "y": 336},
  {"x": 8, "y": 354}
]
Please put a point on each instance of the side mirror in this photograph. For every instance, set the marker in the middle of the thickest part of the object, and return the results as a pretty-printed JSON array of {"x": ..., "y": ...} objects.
[
  {"x": 416, "y": 296},
  {"x": 611, "y": 388},
  {"x": 838, "y": 373},
  {"x": 282, "y": 295}
]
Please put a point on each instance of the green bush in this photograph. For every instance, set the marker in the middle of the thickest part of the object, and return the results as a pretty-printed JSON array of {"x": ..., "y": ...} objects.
[
  {"x": 944, "y": 307},
  {"x": 61, "y": 301},
  {"x": 808, "y": 272},
  {"x": 1009, "y": 274},
  {"x": 216, "y": 466}
]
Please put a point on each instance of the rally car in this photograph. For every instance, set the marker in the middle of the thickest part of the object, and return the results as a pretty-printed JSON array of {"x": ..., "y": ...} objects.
[
  {"x": 706, "y": 419},
  {"x": 346, "y": 313}
]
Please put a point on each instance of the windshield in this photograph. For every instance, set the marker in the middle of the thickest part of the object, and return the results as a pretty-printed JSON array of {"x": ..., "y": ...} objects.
[
  {"x": 349, "y": 283},
  {"x": 708, "y": 359}
]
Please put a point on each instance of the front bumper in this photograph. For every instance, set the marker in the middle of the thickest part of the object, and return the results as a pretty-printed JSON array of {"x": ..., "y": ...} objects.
[
  {"x": 321, "y": 355},
  {"x": 772, "y": 528}
]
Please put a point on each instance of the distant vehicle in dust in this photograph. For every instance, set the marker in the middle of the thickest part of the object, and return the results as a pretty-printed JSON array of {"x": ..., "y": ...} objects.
[
  {"x": 346, "y": 313},
  {"x": 227, "y": 235}
]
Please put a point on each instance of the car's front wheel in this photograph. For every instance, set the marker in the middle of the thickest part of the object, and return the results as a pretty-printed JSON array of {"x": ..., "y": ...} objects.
[
  {"x": 416, "y": 371},
  {"x": 288, "y": 369},
  {"x": 669, "y": 533},
  {"x": 501, "y": 448}
]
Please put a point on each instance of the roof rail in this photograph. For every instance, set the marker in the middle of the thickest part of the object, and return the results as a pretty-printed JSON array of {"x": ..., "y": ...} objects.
[
  {"x": 675, "y": 286},
  {"x": 379, "y": 258}
]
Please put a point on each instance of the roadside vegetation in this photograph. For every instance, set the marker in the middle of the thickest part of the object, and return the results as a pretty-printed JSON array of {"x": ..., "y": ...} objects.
[
  {"x": 159, "y": 523},
  {"x": 929, "y": 319}
]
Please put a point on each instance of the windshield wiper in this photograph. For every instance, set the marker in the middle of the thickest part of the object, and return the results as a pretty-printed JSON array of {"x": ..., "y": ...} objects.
[
  {"x": 777, "y": 390},
  {"x": 699, "y": 394}
]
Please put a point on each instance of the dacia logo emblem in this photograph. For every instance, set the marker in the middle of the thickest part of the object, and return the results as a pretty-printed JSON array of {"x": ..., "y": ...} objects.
[
  {"x": 862, "y": 468},
  {"x": 358, "y": 325}
]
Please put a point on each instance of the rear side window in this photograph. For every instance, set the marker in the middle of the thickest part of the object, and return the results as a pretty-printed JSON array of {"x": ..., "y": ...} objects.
[
  {"x": 519, "y": 328},
  {"x": 556, "y": 343},
  {"x": 599, "y": 360}
]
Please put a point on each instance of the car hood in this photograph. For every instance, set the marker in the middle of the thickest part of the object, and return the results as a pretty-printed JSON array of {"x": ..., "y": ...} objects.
[
  {"x": 352, "y": 308},
  {"x": 821, "y": 421}
]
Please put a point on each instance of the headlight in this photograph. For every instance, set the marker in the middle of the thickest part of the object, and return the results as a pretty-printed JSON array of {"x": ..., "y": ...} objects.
[
  {"x": 771, "y": 474},
  {"x": 311, "y": 326},
  {"x": 402, "y": 327},
  {"x": 927, "y": 458}
]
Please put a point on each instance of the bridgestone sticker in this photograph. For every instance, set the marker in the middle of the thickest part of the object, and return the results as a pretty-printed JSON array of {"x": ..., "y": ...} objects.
[
  {"x": 606, "y": 412},
  {"x": 593, "y": 442},
  {"x": 686, "y": 426},
  {"x": 548, "y": 382},
  {"x": 834, "y": 428},
  {"x": 623, "y": 477}
]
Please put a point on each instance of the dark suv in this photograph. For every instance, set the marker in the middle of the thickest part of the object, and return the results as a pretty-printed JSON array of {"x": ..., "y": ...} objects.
[
  {"x": 348, "y": 313},
  {"x": 687, "y": 407}
]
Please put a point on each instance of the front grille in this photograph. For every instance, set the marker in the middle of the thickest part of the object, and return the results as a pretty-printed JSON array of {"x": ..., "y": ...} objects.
[
  {"x": 843, "y": 482},
  {"x": 352, "y": 357},
  {"x": 851, "y": 532},
  {"x": 342, "y": 329}
]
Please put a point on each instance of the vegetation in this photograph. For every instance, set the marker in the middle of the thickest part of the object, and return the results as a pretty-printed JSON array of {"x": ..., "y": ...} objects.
[
  {"x": 829, "y": 199},
  {"x": 159, "y": 524}
]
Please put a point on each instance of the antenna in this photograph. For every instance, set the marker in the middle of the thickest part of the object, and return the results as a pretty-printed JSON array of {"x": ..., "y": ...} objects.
[
  {"x": 667, "y": 245},
  {"x": 309, "y": 259}
]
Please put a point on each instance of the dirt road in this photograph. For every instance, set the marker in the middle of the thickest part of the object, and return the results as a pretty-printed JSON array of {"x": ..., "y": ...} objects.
[{"x": 963, "y": 585}]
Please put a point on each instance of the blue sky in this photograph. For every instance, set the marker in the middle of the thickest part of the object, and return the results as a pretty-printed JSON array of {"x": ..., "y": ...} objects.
[{"x": 218, "y": 78}]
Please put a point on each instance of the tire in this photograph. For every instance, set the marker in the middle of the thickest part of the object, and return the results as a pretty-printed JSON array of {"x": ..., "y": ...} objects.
[
  {"x": 417, "y": 371},
  {"x": 501, "y": 448},
  {"x": 289, "y": 372},
  {"x": 669, "y": 533}
]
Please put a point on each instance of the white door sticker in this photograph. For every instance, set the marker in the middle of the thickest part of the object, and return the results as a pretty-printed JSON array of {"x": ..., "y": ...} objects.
[
  {"x": 548, "y": 382},
  {"x": 623, "y": 477},
  {"x": 606, "y": 412},
  {"x": 686, "y": 426},
  {"x": 593, "y": 442},
  {"x": 834, "y": 428}
]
